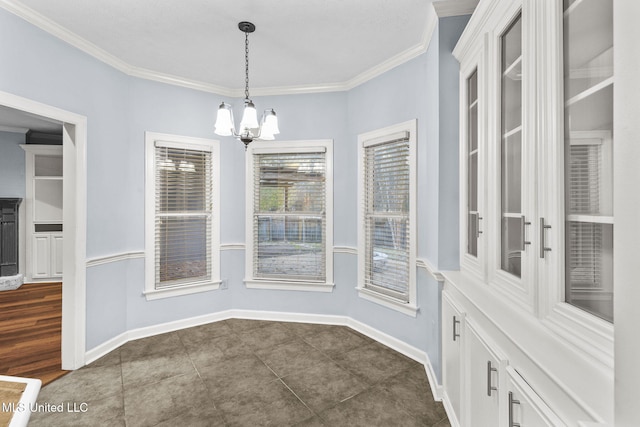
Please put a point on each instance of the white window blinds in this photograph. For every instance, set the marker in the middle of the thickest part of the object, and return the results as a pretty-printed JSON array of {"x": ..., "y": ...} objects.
[
  {"x": 589, "y": 242},
  {"x": 386, "y": 216},
  {"x": 289, "y": 219},
  {"x": 183, "y": 214}
]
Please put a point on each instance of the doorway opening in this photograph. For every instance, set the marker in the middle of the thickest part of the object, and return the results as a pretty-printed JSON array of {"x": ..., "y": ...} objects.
[{"x": 74, "y": 135}]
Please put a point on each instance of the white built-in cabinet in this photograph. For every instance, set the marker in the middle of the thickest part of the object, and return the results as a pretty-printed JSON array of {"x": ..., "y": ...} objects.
[
  {"x": 44, "y": 243},
  {"x": 531, "y": 308},
  {"x": 452, "y": 367},
  {"x": 484, "y": 365},
  {"x": 524, "y": 406},
  {"x": 46, "y": 255}
]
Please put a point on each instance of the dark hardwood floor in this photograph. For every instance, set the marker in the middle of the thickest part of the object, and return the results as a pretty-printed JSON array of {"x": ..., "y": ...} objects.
[{"x": 30, "y": 331}]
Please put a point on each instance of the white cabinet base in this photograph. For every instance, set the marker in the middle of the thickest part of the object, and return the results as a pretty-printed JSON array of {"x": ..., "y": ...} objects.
[{"x": 46, "y": 257}]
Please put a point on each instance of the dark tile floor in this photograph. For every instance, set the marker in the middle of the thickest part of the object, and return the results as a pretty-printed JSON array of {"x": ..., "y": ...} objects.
[{"x": 246, "y": 373}]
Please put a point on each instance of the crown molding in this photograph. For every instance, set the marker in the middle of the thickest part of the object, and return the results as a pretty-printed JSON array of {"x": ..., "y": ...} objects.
[
  {"x": 63, "y": 34},
  {"x": 375, "y": 71},
  {"x": 401, "y": 58},
  {"x": 445, "y": 8},
  {"x": 156, "y": 76},
  {"x": 91, "y": 49}
]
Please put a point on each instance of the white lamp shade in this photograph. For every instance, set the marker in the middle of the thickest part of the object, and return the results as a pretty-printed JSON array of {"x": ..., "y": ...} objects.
[
  {"x": 266, "y": 135},
  {"x": 269, "y": 125},
  {"x": 271, "y": 122},
  {"x": 249, "y": 117},
  {"x": 224, "y": 121}
]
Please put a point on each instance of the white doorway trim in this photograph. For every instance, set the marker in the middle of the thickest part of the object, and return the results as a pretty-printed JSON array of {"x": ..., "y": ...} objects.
[{"x": 74, "y": 141}]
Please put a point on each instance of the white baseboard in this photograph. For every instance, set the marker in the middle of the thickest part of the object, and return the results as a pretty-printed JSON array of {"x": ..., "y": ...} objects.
[
  {"x": 451, "y": 414},
  {"x": 106, "y": 347},
  {"x": 148, "y": 331},
  {"x": 381, "y": 337}
]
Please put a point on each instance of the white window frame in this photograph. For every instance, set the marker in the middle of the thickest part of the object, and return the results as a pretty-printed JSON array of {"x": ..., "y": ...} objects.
[
  {"x": 369, "y": 139},
  {"x": 289, "y": 147},
  {"x": 150, "y": 291}
]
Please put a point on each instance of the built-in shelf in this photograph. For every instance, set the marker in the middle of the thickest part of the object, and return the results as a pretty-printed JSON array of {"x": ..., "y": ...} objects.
[
  {"x": 573, "y": 7},
  {"x": 512, "y": 132},
  {"x": 514, "y": 71},
  {"x": 600, "y": 65},
  {"x": 590, "y": 91},
  {"x": 517, "y": 215},
  {"x": 599, "y": 219}
]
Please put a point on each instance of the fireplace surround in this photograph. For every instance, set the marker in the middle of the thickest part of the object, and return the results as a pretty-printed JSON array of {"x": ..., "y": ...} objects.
[{"x": 9, "y": 275}]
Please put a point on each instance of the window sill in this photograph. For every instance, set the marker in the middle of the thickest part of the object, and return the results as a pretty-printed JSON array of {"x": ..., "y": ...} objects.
[
  {"x": 283, "y": 285},
  {"x": 175, "y": 291},
  {"x": 402, "y": 307}
]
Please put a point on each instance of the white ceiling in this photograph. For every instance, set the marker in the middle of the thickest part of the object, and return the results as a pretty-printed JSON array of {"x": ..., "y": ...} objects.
[
  {"x": 299, "y": 45},
  {"x": 16, "y": 121}
]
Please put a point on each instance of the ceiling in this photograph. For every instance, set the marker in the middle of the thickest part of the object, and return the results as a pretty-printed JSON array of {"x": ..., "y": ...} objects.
[
  {"x": 16, "y": 121},
  {"x": 298, "y": 45}
]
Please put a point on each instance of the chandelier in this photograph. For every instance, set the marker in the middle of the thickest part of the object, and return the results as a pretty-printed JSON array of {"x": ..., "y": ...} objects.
[{"x": 250, "y": 129}]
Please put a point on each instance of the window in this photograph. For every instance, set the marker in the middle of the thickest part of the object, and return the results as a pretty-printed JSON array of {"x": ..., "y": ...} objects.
[
  {"x": 181, "y": 215},
  {"x": 289, "y": 227},
  {"x": 387, "y": 226}
]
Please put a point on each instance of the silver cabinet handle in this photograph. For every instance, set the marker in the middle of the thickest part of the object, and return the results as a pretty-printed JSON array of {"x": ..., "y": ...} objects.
[
  {"x": 512, "y": 402},
  {"x": 543, "y": 245},
  {"x": 455, "y": 332},
  {"x": 478, "y": 219},
  {"x": 490, "y": 369},
  {"x": 524, "y": 223}
]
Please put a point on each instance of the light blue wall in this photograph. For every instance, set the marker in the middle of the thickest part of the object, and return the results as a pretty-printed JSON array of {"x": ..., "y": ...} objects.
[
  {"x": 424, "y": 88},
  {"x": 121, "y": 108},
  {"x": 40, "y": 67},
  {"x": 449, "y": 31},
  {"x": 12, "y": 167}
]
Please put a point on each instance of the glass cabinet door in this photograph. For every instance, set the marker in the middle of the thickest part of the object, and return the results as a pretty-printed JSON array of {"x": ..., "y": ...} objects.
[
  {"x": 511, "y": 149},
  {"x": 473, "y": 216},
  {"x": 588, "y": 103}
]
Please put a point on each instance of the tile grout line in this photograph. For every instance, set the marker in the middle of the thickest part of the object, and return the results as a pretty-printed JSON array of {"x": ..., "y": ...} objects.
[
  {"x": 124, "y": 407},
  {"x": 301, "y": 401}
]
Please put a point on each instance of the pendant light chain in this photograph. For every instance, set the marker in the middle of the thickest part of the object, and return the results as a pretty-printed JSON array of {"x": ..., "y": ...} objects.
[
  {"x": 246, "y": 65},
  {"x": 250, "y": 128}
]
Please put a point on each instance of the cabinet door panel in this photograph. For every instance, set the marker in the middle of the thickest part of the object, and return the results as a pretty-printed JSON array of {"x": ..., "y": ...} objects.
[
  {"x": 483, "y": 368},
  {"x": 41, "y": 256},
  {"x": 511, "y": 148},
  {"x": 588, "y": 101},
  {"x": 56, "y": 255},
  {"x": 526, "y": 408},
  {"x": 452, "y": 324}
]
